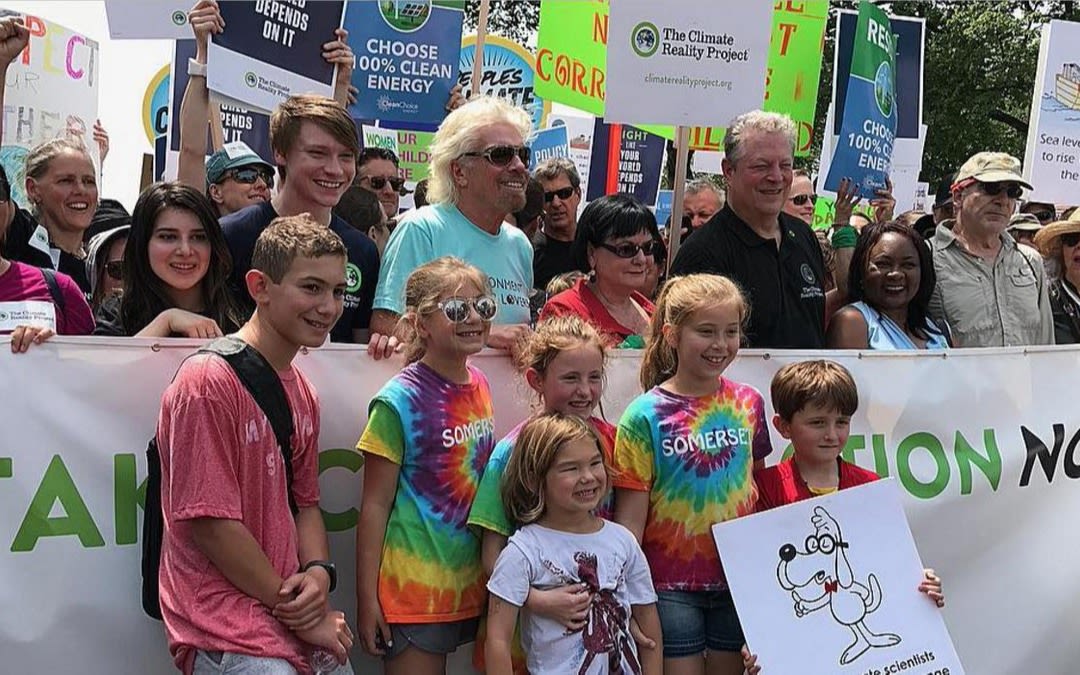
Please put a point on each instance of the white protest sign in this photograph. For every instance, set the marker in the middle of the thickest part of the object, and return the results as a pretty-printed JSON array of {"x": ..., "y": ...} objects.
[
  {"x": 148, "y": 19},
  {"x": 375, "y": 137},
  {"x": 830, "y": 585},
  {"x": 579, "y": 130},
  {"x": 270, "y": 51},
  {"x": 685, "y": 62},
  {"x": 52, "y": 92},
  {"x": 1052, "y": 155}
]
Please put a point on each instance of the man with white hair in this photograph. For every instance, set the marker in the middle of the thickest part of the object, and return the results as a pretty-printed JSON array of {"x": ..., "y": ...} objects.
[
  {"x": 990, "y": 292},
  {"x": 479, "y": 170},
  {"x": 774, "y": 257}
]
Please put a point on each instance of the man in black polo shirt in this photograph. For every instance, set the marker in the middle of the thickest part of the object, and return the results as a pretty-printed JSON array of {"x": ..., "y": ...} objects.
[{"x": 773, "y": 257}]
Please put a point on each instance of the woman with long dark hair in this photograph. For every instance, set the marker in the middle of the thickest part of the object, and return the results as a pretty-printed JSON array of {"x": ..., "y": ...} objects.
[
  {"x": 176, "y": 269},
  {"x": 890, "y": 282}
]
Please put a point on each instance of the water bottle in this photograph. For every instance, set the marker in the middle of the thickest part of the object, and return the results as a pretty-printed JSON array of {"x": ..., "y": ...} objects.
[{"x": 322, "y": 662}]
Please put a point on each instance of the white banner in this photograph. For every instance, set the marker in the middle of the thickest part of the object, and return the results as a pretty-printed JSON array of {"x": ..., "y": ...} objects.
[{"x": 982, "y": 442}]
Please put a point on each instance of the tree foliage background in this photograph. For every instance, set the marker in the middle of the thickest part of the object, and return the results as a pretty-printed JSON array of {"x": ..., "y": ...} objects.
[{"x": 979, "y": 68}]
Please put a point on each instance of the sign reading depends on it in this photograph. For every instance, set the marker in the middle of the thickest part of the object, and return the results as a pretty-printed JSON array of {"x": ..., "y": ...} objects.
[
  {"x": 865, "y": 147},
  {"x": 685, "y": 62},
  {"x": 272, "y": 50},
  {"x": 407, "y": 55},
  {"x": 1052, "y": 156}
]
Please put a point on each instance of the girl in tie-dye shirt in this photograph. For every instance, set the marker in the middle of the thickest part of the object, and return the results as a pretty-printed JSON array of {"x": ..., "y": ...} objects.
[
  {"x": 430, "y": 430},
  {"x": 685, "y": 452}
]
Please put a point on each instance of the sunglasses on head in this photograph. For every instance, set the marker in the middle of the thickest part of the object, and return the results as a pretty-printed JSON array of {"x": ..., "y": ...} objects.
[
  {"x": 250, "y": 174},
  {"x": 379, "y": 182},
  {"x": 457, "y": 309},
  {"x": 800, "y": 200},
  {"x": 502, "y": 155},
  {"x": 115, "y": 270},
  {"x": 1071, "y": 239},
  {"x": 1012, "y": 190},
  {"x": 562, "y": 193},
  {"x": 628, "y": 250}
]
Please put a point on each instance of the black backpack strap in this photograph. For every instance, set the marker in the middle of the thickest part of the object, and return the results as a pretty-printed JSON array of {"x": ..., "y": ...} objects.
[
  {"x": 54, "y": 288},
  {"x": 264, "y": 385}
]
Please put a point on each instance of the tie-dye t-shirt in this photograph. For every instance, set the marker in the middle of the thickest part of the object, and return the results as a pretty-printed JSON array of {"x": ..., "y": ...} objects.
[
  {"x": 695, "y": 457},
  {"x": 488, "y": 511},
  {"x": 441, "y": 433}
]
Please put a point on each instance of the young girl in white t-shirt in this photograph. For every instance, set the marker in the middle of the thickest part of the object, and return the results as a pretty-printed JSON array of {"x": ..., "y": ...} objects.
[{"x": 554, "y": 480}]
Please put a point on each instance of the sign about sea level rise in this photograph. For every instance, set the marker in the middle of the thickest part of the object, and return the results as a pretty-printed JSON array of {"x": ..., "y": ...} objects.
[
  {"x": 508, "y": 72},
  {"x": 864, "y": 149},
  {"x": 407, "y": 54}
]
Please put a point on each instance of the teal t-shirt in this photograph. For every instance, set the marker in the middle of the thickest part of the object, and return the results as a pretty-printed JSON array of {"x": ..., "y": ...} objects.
[{"x": 440, "y": 230}]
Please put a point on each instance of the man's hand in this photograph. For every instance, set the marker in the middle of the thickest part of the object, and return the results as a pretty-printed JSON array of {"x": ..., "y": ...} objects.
[
  {"x": 205, "y": 20},
  {"x": 14, "y": 36},
  {"x": 382, "y": 346},
  {"x": 305, "y": 597},
  {"x": 456, "y": 99},
  {"x": 508, "y": 337}
]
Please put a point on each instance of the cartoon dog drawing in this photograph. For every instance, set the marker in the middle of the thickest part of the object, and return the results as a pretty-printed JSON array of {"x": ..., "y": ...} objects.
[{"x": 824, "y": 564}]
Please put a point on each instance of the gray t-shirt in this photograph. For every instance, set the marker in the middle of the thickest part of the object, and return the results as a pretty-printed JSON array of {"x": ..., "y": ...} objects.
[{"x": 610, "y": 563}]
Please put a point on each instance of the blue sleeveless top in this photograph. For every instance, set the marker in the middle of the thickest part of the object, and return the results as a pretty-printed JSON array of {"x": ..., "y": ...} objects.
[{"x": 884, "y": 334}]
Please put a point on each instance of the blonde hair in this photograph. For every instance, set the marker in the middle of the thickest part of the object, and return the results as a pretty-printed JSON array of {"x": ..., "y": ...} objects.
[
  {"x": 678, "y": 300},
  {"x": 534, "y": 453},
  {"x": 41, "y": 156},
  {"x": 460, "y": 133},
  {"x": 552, "y": 337},
  {"x": 423, "y": 289},
  {"x": 563, "y": 282}
]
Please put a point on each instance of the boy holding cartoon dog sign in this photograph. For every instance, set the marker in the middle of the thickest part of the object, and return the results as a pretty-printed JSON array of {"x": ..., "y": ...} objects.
[{"x": 814, "y": 402}]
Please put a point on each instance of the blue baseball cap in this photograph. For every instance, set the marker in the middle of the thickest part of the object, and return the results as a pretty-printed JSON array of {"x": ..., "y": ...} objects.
[{"x": 231, "y": 156}]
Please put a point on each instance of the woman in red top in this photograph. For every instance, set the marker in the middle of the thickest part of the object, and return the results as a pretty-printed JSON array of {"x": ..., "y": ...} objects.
[{"x": 616, "y": 237}]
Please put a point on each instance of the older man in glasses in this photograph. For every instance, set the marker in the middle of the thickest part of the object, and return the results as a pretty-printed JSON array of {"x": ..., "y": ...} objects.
[
  {"x": 479, "y": 171},
  {"x": 990, "y": 292},
  {"x": 553, "y": 244}
]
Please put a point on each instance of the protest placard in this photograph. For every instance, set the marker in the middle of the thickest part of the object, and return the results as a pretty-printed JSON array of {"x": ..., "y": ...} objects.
[
  {"x": 830, "y": 585},
  {"x": 1052, "y": 155},
  {"x": 407, "y": 54},
  {"x": 508, "y": 72},
  {"x": 579, "y": 133},
  {"x": 685, "y": 63},
  {"x": 155, "y": 104},
  {"x": 547, "y": 144},
  {"x": 148, "y": 19},
  {"x": 662, "y": 210},
  {"x": 625, "y": 159},
  {"x": 863, "y": 151},
  {"x": 375, "y": 137},
  {"x": 272, "y": 50},
  {"x": 413, "y": 154},
  {"x": 52, "y": 92},
  {"x": 237, "y": 124},
  {"x": 571, "y": 53}
]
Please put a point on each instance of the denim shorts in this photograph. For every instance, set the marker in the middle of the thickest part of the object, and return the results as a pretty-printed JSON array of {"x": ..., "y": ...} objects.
[
  {"x": 228, "y": 663},
  {"x": 434, "y": 638},
  {"x": 693, "y": 621}
]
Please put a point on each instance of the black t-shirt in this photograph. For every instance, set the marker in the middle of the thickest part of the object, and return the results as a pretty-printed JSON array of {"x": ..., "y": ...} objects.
[
  {"x": 21, "y": 245},
  {"x": 243, "y": 228},
  {"x": 784, "y": 287},
  {"x": 551, "y": 257}
]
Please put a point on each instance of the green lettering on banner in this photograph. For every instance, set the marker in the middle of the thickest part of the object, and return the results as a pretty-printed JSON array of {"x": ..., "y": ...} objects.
[
  {"x": 413, "y": 154},
  {"x": 56, "y": 485},
  {"x": 129, "y": 495},
  {"x": 988, "y": 464},
  {"x": 924, "y": 441},
  {"x": 571, "y": 61},
  {"x": 343, "y": 458}
]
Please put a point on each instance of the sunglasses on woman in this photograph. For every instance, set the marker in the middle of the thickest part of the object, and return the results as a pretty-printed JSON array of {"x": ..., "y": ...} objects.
[
  {"x": 1012, "y": 190},
  {"x": 628, "y": 250},
  {"x": 800, "y": 200},
  {"x": 249, "y": 174},
  {"x": 457, "y": 309},
  {"x": 562, "y": 193},
  {"x": 115, "y": 270},
  {"x": 502, "y": 155},
  {"x": 379, "y": 182},
  {"x": 1071, "y": 239}
]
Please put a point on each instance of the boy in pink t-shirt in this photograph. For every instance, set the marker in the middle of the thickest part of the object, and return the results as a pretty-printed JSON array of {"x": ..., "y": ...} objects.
[{"x": 242, "y": 582}]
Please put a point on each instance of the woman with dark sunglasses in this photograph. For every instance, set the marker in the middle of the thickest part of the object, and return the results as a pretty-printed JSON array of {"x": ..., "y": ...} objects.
[
  {"x": 105, "y": 264},
  {"x": 1059, "y": 243},
  {"x": 176, "y": 269},
  {"x": 615, "y": 240}
]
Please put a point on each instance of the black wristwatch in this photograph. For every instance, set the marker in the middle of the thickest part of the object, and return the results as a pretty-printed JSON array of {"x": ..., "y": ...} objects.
[{"x": 326, "y": 565}]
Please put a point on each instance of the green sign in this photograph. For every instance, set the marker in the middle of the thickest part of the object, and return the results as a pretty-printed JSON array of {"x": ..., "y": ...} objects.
[
  {"x": 571, "y": 53},
  {"x": 413, "y": 154}
]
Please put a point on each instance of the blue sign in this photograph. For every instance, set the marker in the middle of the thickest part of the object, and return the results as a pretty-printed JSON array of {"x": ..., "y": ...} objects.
[
  {"x": 407, "y": 55},
  {"x": 237, "y": 124},
  {"x": 634, "y": 166},
  {"x": 548, "y": 143},
  {"x": 665, "y": 199},
  {"x": 868, "y": 128}
]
